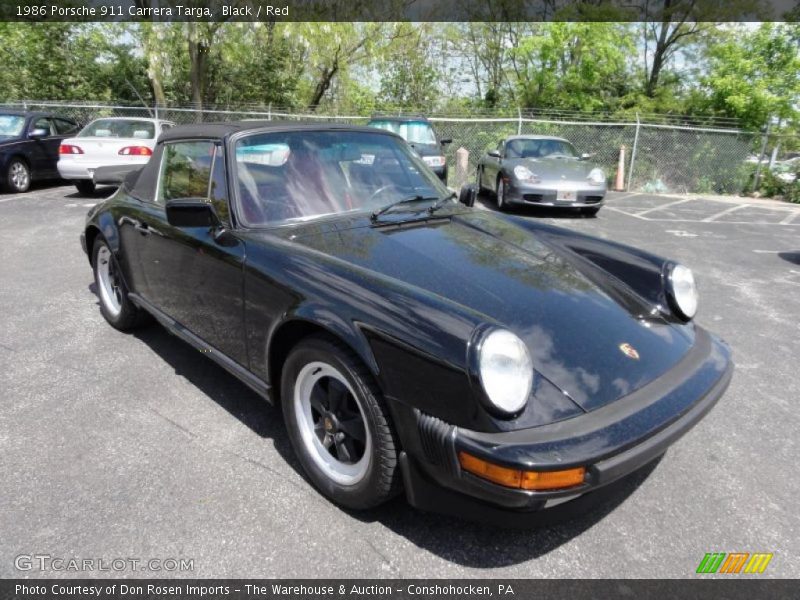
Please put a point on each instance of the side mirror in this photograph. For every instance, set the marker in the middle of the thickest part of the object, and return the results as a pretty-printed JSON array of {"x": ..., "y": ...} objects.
[
  {"x": 446, "y": 141},
  {"x": 494, "y": 153},
  {"x": 191, "y": 212},
  {"x": 468, "y": 194},
  {"x": 587, "y": 155},
  {"x": 38, "y": 133}
]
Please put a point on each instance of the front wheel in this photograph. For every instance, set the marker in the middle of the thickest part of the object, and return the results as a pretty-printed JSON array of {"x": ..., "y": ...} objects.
[
  {"x": 85, "y": 186},
  {"x": 17, "y": 176},
  {"x": 338, "y": 424},
  {"x": 115, "y": 305},
  {"x": 502, "y": 190}
]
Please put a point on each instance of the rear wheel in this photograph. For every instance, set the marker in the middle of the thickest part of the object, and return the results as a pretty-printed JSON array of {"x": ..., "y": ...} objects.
[
  {"x": 115, "y": 305},
  {"x": 338, "y": 424},
  {"x": 18, "y": 176},
  {"x": 85, "y": 186}
]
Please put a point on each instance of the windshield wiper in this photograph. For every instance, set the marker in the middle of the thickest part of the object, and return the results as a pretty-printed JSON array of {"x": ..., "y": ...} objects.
[
  {"x": 409, "y": 200},
  {"x": 440, "y": 202}
]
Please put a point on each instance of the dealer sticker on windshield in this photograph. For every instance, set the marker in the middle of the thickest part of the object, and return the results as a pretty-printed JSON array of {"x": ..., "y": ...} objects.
[{"x": 565, "y": 196}]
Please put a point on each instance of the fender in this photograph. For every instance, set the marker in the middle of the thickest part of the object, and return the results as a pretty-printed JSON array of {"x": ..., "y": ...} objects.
[
  {"x": 640, "y": 271},
  {"x": 310, "y": 314}
]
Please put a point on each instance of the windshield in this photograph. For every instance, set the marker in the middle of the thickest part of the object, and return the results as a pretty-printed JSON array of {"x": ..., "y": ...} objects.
[
  {"x": 11, "y": 125},
  {"x": 414, "y": 132},
  {"x": 119, "y": 128},
  {"x": 539, "y": 148},
  {"x": 301, "y": 175}
]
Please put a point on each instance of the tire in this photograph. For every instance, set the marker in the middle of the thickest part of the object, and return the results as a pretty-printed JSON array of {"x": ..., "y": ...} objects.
[
  {"x": 115, "y": 305},
  {"x": 501, "y": 193},
  {"x": 85, "y": 186},
  {"x": 17, "y": 176},
  {"x": 324, "y": 385},
  {"x": 590, "y": 212}
]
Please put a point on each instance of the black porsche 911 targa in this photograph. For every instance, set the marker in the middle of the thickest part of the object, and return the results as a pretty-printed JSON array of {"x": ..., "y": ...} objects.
[{"x": 486, "y": 364}]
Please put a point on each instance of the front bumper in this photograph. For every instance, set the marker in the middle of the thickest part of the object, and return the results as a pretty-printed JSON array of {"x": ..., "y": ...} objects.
[
  {"x": 612, "y": 442},
  {"x": 564, "y": 194}
]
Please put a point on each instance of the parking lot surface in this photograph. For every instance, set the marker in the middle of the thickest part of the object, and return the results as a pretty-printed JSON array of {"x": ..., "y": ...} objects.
[{"x": 115, "y": 445}]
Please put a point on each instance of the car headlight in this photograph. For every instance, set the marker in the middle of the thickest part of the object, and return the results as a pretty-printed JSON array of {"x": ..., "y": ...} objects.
[
  {"x": 525, "y": 174},
  {"x": 596, "y": 176},
  {"x": 434, "y": 161},
  {"x": 682, "y": 291},
  {"x": 506, "y": 371}
]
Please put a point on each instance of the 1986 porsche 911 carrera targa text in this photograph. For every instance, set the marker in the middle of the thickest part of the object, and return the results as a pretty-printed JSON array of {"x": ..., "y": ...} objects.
[{"x": 483, "y": 363}]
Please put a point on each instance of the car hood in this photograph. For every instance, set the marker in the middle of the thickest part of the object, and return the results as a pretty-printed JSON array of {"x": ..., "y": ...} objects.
[
  {"x": 556, "y": 168},
  {"x": 4, "y": 141},
  {"x": 584, "y": 330}
]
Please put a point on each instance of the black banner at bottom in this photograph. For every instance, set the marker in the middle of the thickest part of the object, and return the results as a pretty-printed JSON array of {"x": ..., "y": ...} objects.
[{"x": 421, "y": 589}]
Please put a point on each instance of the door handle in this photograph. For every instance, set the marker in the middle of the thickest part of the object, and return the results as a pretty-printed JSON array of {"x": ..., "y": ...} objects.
[{"x": 142, "y": 228}]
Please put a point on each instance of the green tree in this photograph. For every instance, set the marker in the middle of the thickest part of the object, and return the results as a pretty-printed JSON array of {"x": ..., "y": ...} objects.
[{"x": 755, "y": 75}]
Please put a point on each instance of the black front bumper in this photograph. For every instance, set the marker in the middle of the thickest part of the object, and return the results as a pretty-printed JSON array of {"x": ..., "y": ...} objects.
[{"x": 611, "y": 443}]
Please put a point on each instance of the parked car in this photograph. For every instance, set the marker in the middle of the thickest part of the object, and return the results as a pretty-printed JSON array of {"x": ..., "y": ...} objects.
[
  {"x": 486, "y": 364},
  {"x": 29, "y": 144},
  {"x": 421, "y": 136},
  {"x": 113, "y": 141},
  {"x": 538, "y": 170}
]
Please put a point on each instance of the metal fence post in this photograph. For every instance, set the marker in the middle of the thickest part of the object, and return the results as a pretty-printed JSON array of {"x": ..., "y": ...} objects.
[
  {"x": 633, "y": 153},
  {"x": 757, "y": 176},
  {"x": 519, "y": 122}
]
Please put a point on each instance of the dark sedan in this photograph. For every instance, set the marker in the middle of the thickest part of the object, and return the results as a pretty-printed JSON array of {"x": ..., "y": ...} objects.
[
  {"x": 482, "y": 363},
  {"x": 538, "y": 170},
  {"x": 29, "y": 146}
]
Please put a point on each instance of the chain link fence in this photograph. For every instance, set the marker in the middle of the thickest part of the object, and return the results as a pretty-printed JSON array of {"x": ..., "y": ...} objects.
[{"x": 659, "y": 156}]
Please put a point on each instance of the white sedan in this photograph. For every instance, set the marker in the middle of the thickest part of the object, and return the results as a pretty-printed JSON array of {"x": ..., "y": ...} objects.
[{"x": 115, "y": 141}]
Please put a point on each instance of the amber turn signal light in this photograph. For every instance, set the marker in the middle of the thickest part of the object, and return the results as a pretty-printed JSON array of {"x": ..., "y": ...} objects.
[{"x": 525, "y": 480}]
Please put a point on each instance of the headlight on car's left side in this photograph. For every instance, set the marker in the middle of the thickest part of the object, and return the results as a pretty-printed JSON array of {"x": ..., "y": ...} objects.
[
  {"x": 682, "y": 291},
  {"x": 506, "y": 371},
  {"x": 596, "y": 176},
  {"x": 434, "y": 161}
]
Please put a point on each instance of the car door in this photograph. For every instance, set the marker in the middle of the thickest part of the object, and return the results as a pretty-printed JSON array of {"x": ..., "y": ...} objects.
[
  {"x": 195, "y": 274},
  {"x": 45, "y": 149},
  {"x": 492, "y": 166}
]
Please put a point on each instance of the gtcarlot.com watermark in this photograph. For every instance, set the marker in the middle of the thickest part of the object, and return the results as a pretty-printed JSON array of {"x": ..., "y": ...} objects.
[{"x": 48, "y": 562}]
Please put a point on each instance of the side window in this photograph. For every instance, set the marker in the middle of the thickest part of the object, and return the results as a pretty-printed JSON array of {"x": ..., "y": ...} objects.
[
  {"x": 194, "y": 170},
  {"x": 64, "y": 127},
  {"x": 43, "y": 123}
]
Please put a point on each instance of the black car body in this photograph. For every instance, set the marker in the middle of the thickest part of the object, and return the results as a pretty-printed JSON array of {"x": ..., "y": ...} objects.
[
  {"x": 421, "y": 136},
  {"x": 29, "y": 143},
  {"x": 540, "y": 170},
  {"x": 409, "y": 298}
]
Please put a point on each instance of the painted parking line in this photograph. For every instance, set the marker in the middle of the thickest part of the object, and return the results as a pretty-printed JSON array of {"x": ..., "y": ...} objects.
[
  {"x": 662, "y": 207},
  {"x": 724, "y": 212},
  {"x": 790, "y": 217}
]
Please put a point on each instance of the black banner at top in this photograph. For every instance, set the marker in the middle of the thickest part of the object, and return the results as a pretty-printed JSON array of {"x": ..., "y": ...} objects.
[{"x": 399, "y": 10}]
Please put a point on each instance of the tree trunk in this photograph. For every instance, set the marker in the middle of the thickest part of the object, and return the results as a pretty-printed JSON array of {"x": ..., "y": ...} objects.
[{"x": 323, "y": 85}]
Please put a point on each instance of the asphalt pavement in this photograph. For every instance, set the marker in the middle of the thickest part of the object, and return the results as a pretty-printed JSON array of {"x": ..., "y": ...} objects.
[{"x": 134, "y": 446}]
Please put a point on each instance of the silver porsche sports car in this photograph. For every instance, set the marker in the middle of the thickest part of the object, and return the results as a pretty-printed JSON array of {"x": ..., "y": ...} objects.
[{"x": 539, "y": 170}]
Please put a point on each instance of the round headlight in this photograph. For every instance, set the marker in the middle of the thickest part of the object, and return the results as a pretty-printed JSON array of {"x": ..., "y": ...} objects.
[
  {"x": 506, "y": 371},
  {"x": 683, "y": 291}
]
